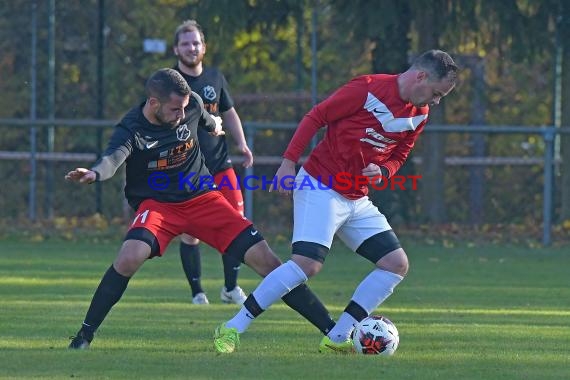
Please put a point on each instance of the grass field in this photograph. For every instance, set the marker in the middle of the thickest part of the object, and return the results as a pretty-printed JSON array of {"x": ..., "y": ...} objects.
[{"x": 462, "y": 313}]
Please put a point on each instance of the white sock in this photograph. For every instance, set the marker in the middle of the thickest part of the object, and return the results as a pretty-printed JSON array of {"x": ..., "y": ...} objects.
[
  {"x": 371, "y": 292},
  {"x": 241, "y": 320},
  {"x": 274, "y": 286},
  {"x": 343, "y": 328}
]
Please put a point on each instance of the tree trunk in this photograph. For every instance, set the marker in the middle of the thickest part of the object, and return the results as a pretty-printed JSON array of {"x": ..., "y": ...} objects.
[
  {"x": 390, "y": 56},
  {"x": 433, "y": 152}
]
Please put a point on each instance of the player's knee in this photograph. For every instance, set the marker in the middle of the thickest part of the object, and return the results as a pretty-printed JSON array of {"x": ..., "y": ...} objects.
[
  {"x": 125, "y": 268},
  {"x": 127, "y": 265},
  {"x": 261, "y": 258},
  {"x": 242, "y": 243},
  {"x": 309, "y": 265},
  {"x": 395, "y": 262},
  {"x": 309, "y": 256},
  {"x": 313, "y": 269},
  {"x": 385, "y": 251},
  {"x": 132, "y": 255}
]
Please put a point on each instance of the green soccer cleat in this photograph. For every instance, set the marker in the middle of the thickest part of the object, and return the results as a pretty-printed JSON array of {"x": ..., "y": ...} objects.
[
  {"x": 328, "y": 346},
  {"x": 226, "y": 339}
]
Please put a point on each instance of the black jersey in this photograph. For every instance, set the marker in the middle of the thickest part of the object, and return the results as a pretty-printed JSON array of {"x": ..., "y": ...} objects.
[
  {"x": 164, "y": 164},
  {"x": 212, "y": 87}
]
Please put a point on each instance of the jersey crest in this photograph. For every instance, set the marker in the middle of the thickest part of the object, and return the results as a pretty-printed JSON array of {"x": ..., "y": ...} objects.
[
  {"x": 182, "y": 132},
  {"x": 209, "y": 93}
]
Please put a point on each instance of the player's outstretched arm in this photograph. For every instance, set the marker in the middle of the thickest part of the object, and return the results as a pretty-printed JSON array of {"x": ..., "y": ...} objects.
[
  {"x": 284, "y": 178},
  {"x": 247, "y": 155},
  {"x": 232, "y": 123},
  {"x": 81, "y": 175}
]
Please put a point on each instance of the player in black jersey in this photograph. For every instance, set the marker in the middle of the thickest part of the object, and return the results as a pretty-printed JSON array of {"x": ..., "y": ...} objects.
[
  {"x": 157, "y": 141},
  {"x": 211, "y": 85}
]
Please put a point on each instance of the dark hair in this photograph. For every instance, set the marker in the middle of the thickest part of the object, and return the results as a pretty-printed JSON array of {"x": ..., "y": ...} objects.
[
  {"x": 437, "y": 63},
  {"x": 188, "y": 26},
  {"x": 162, "y": 83}
]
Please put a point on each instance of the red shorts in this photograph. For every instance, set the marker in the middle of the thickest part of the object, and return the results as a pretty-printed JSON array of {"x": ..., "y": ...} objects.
[
  {"x": 230, "y": 188},
  {"x": 209, "y": 217}
]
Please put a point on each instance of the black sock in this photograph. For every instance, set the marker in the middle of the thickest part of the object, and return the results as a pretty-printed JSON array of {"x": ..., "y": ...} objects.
[
  {"x": 305, "y": 302},
  {"x": 252, "y": 306},
  {"x": 355, "y": 311},
  {"x": 108, "y": 293},
  {"x": 190, "y": 257},
  {"x": 231, "y": 269}
]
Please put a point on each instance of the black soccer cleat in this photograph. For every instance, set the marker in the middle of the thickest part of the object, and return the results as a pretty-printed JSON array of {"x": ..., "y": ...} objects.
[{"x": 80, "y": 341}]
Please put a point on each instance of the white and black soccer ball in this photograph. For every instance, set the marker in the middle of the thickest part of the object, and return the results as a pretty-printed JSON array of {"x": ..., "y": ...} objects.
[{"x": 376, "y": 335}]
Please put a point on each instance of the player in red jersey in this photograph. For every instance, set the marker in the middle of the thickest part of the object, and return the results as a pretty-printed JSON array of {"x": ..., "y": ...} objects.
[
  {"x": 373, "y": 122},
  {"x": 211, "y": 85},
  {"x": 157, "y": 140}
]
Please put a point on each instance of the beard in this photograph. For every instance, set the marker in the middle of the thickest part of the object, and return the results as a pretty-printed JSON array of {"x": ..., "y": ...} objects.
[
  {"x": 162, "y": 120},
  {"x": 191, "y": 60}
]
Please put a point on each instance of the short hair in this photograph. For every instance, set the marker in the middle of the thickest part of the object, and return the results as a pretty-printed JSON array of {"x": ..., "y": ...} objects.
[
  {"x": 437, "y": 63},
  {"x": 188, "y": 26},
  {"x": 164, "y": 82}
]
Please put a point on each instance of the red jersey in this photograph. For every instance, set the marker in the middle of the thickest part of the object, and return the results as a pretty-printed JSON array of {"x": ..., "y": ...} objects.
[{"x": 368, "y": 122}]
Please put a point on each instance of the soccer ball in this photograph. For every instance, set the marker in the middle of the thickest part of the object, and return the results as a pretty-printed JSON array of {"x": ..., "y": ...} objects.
[{"x": 375, "y": 335}]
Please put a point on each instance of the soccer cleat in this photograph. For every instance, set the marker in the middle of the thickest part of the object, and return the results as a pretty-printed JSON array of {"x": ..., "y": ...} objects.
[
  {"x": 328, "y": 346},
  {"x": 200, "y": 299},
  {"x": 80, "y": 341},
  {"x": 226, "y": 339},
  {"x": 236, "y": 296}
]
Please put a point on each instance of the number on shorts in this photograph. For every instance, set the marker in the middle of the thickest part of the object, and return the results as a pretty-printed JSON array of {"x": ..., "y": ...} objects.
[{"x": 142, "y": 215}]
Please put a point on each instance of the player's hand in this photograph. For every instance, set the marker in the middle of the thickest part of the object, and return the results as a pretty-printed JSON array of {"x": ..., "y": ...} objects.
[
  {"x": 218, "y": 129},
  {"x": 81, "y": 175},
  {"x": 373, "y": 172},
  {"x": 284, "y": 178},
  {"x": 247, "y": 155}
]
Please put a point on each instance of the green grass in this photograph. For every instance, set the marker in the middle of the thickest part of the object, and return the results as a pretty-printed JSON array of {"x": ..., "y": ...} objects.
[{"x": 462, "y": 313}]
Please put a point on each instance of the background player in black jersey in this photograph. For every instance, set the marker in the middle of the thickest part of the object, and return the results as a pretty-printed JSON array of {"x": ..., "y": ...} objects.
[
  {"x": 164, "y": 170},
  {"x": 211, "y": 85}
]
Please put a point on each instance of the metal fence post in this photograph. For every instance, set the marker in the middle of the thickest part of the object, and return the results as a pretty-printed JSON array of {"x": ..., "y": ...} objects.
[
  {"x": 548, "y": 136},
  {"x": 33, "y": 114},
  {"x": 100, "y": 95},
  {"x": 50, "y": 187}
]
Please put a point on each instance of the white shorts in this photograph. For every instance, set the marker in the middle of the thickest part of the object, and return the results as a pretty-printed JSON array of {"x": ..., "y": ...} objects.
[{"x": 319, "y": 213}]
